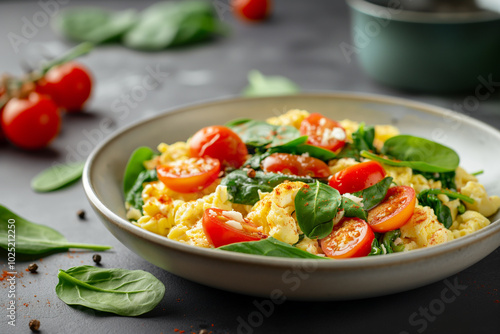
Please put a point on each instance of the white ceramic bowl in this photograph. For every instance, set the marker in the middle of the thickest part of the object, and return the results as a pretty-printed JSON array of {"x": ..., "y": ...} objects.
[{"x": 476, "y": 143}]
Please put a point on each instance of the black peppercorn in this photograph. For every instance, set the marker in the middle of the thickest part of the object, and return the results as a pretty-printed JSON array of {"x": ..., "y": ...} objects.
[
  {"x": 34, "y": 325},
  {"x": 97, "y": 258},
  {"x": 33, "y": 267},
  {"x": 81, "y": 214}
]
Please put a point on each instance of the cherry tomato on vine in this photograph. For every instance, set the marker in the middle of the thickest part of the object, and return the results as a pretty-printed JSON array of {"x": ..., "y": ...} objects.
[
  {"x": 189, "y": 175},
  {"x": 221, "y": 143},
  {"x": 394, "y": 211},
  {"x": 69, "y": 85},
  {"x": 227, "y": 227},
  {"x": 296, "y": 165},
  {"x": 323, "y": 132},
  {"x": 351, "y": 237},
  {"x": 358, "y": 177},
  {"x": 31, "y": 122},
  {"x": 252, "y": 10}
]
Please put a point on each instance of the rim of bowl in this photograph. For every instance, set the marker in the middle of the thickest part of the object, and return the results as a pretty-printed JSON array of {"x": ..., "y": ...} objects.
[
  {"x": 277, "y": 262},
  {"x": 399, "y": 14}
]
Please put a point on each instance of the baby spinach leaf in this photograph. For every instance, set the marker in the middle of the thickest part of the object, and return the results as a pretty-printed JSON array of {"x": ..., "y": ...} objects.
[
  {"x": 259, "y": 133},
  {"x": 315, "y": 207},
  {"x": 270, "y": 247},
  {"x": 417, "y": 153},
  {"x": 353, "y": 209},
  {"x": 375, "y": 194},
  {"x": 94, "y": 25},
  {"x": 169, "y": 23},
  {"x": 57, "y": 177},
  {"x": 376, "y": 249},
  {"x": 120, "y": 291},
  {"x": 135, "y": 166},
  {"x": 449, "y": 193},
  {"x": 298, "y": 146},
  {"x": 134, "y": 196},
  {"x": 236, "y": 122},
  {"x": 260, "y": 85},
  {"x": 34, "y": 239},
  {"x": 442, "y": 212},
  {"x": 245, "y": 190}
]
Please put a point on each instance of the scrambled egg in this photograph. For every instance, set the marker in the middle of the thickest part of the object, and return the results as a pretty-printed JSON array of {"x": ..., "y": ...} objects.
[
  {"x": 274, "y": 212},
  {"x": 179, "y": 216}
]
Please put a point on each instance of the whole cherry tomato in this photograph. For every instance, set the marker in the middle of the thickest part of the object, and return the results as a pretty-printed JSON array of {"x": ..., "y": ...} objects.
[
  {"x": 251, "y": 10},
  {"x": 221, "y": 143},
  {"x": 357, "y": 177},
  {"x": 323, "y": 132},
  {"x": 227, "y": 227},
  {"x": 69, "y": 85},
  {"x": 31, "y": 122},
  {"x": 189, "y": 175},
  {"x": 394, "y": 211},
  {"x": 296, "y": 165},
  {"x": 351, "y": 237}
]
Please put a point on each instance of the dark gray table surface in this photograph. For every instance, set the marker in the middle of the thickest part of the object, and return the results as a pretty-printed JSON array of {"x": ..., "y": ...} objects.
[{"x": 301, "y": 42}]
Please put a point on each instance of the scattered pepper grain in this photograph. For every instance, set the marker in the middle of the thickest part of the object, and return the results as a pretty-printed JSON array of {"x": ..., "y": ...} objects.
[
  {"x": 34, "y": 325},
  {"x": 81, "y": 214},
  {"x": 33, "y": 267},
  {"x": 97, "y": 258}
]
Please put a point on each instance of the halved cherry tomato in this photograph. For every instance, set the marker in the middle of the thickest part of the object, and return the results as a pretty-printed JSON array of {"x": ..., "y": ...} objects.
[
  {"x": 221, "y": 143},
  {"x": 31, "y": 122},
  {"x": 251, "y": 10},
  {"x": 351, "y": 237},
  {"x": 323, "y": 132},
  {"x": 358, "y": 177},
  {"x": 69, "y": 85},
  {"x": 227, "y": 227},
  {"x": 394, "y": 211},
  {"x": 189, "y": 175},
  {"x": 296, "y": 165}
]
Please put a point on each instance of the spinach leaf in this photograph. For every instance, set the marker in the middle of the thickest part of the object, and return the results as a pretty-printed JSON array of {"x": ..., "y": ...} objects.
[
  {"x": 57, "y": 177},
  {"x": 270, "y": 247},
  {"x": 94, "y": 25},
  {"x": 298, "y": 146},
  {"x": 245, "y": 190},
  {"x": 384, "y": 243},
  {"x": 417, "y": 153},
  {"x": 442, "y": 212},
  {"x": 353, "y": 209},
  {"x": 120, "y": 291},
  {"x": 259, "y": 133},
  {"x": 362, "y": 139},
  {"x": 449, "y": 193},
  {"x": 447, "y": 178},
  {"x": 375, "y": 194},
  {"x": 260, "y": 85},
  {"x": 315, "y": 207},
  {"x": 134, "y": 196},
  {"x": 236, "y": 122},
  {"x": 135, "y": 166},
  {"x": 34, "y": 239},
  {"x": 167, "y": 24}
]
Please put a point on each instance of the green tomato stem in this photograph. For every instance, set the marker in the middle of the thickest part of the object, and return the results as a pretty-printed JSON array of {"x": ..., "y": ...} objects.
[{"x": 75, "y": 52}]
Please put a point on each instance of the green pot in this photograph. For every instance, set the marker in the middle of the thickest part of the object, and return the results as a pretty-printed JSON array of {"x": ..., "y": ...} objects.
[{"x": 425, "y": 51}]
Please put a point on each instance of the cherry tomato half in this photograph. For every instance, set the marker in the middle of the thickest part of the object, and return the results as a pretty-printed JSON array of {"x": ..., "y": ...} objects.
[
  {"x": 69, "y": 85},
  {"x": 323, "y": 132},
  {"x": 221, "y": 143},
  {"x": 32, "y": 122},
  {"x": 189, "y": 175},
  {"x": 296, "y": 165},
  {"x": 358, "y": 177},
  {"x": 227, "y": 227},
  {"x": 351, "y": 237},
  {"x": 394, "y": 211},
  {"x": 251, "y": 10}
]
